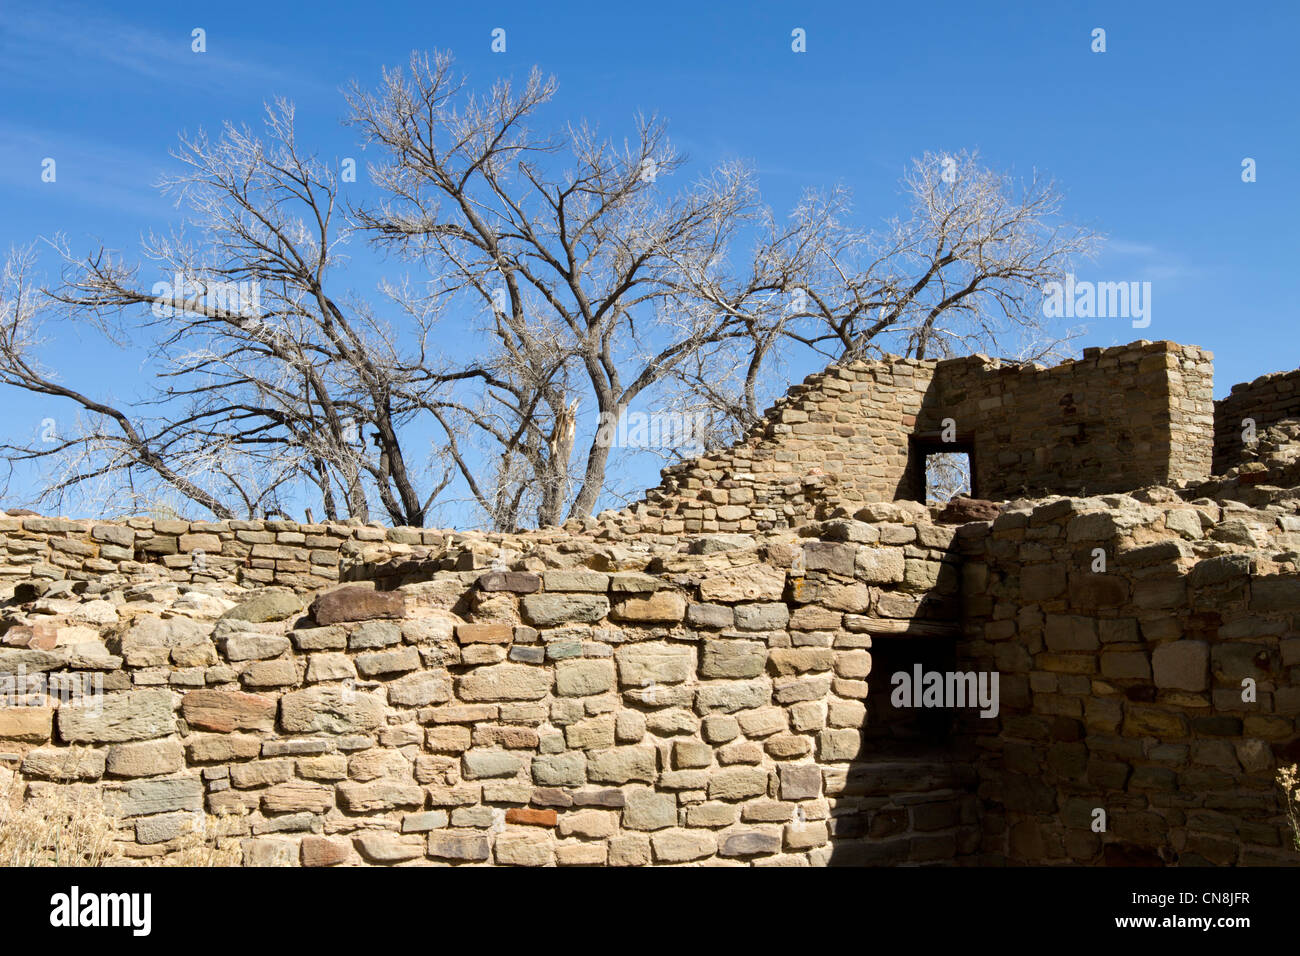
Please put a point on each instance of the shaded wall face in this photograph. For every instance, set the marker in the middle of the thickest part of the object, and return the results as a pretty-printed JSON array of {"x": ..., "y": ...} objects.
[
  {"x": 1125, "y": 734},
  {"x": 1266, "y": 401},
  {"x": 1114, "y": 421}
]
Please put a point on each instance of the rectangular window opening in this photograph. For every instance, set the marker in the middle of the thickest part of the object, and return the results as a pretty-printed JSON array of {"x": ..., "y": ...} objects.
[{"x": 947, "y": 475}]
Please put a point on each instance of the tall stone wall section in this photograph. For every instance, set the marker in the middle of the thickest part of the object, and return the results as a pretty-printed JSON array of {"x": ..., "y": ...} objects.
[
  {"x": 1115, "y": 420},
  {"x": 594, "y": 704},
  {"x": 1122, "y": 684},
  {"x": 1267, "y": 400},
  {"x": 844, "y": 431}
]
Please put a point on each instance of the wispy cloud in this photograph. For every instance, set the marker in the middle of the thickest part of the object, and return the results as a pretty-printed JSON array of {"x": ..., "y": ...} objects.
[
  {"x": 1150, "y": 262},
  {"x": 89, "y": 172},
  {"x": 63, "y": 40}
]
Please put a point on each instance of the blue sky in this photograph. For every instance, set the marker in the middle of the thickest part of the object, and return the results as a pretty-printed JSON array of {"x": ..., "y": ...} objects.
[{"x": 1146, "y": 139}]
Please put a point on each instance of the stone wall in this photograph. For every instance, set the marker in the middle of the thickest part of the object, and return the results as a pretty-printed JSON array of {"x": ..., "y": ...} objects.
[
  {"x": 842, "y": 431},
  {"x": 1115, "y": 420},
  {"x": 593, "y": 704},
  {"x": 1122, "y": 682},
  {"x": 707, "y": 676},
  {"x": 253, "y": 553},
  {"x": 1268, "y": 400}
]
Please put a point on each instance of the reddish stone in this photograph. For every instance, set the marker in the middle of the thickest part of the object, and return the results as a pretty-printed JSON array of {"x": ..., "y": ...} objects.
[
  {"x": 322, "y": 851},
  {"x": 39, "y": 636},
  {"x": 485, "y": 633},
  {"x": 527, "y": 816},
  {"x": 355, "y": 603},
  {"x": 966, "y": 510},
  {"x": 227, "y": 710}
]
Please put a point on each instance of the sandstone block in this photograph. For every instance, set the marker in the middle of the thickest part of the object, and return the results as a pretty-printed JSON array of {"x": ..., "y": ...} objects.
[
  {"x": 620, "y": 765},
  {"x": 505, "y": 681},
  {"x": 880, "y": 565},
  {"x": 378, "y": 795},
  {"x": 144, "y": 797},
  {"x": 643, "y": 664},
  {"x": 753, "y": 583},
  {"x": 355, "y": 603},
  {"x": 298, "y": 796},
  {"x": 733, "y": 658},
  {"x": 1182, "y": 665},
  {"x": 33, "y": 724},
  {"x": 269, "y": 605},
  {"x": 661, "y": 607},
  {"x": 484, "y": 633},
  {"x": 584, "y": 677},
  {"x": 330, "y": 709},
  {"x": 525, "y": 848},
  {"x": 462, "y": 846},
  {"x": 515, "y": 582},
  {"x": 134, "y": 715},
  {"x": 323, "y": 851},
  {"x": 64, "y": 763},
  {"x": 146, "y": 759},
  {"x": 648, "y": 810},
  {"x": 737, "y": 783},
  {"x": 547, "y": 610},
  {"x": 682, "y": 846}
]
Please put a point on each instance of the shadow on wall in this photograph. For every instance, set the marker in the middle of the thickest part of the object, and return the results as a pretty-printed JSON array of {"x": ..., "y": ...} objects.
[{"x": 909, "y": 795}]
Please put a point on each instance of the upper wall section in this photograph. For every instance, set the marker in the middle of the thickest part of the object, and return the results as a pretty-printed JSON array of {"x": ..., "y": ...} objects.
[
  {"x": 1267, "y": 400},
  {"x": 1115, "y": 420},
  {"x": 252, "y": 553},
  {"x": 842, "y": 431}
]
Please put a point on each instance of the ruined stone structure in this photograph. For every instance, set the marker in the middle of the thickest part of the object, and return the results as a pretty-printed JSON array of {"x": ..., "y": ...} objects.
[
  {"x": 1266, "y": 401},
  {"x": 709, "y": 676}
]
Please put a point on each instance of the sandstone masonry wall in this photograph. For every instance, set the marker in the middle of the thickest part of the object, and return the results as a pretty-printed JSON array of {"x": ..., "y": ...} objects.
[
  {"x": 706, "y": 677},
  {"x": 1268, "y": 400},
  {"x": 1122, "y": 688},
  {"x": 844, "y": 431},
  {"x": 300, "y": 556},
  {"x": 1115, "y": 420},
  {"x": 594, "y": 704}
]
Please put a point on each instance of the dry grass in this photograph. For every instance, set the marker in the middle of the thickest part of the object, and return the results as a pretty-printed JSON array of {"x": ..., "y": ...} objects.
[
  {"x": 1288, "y": 778},
  {"x": 58, "y": 826},
  {"x": 69, "y": 825}
]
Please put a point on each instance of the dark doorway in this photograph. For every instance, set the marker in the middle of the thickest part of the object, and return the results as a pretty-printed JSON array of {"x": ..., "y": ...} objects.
[{"x": 906, "y": 731}]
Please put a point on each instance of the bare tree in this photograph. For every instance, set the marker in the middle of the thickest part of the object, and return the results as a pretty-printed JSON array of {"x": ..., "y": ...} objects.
[
  {"x": 583, "y": 275},
  {"x": 963, "y": 272},
  {"x": 593, "y": 254},
  {"x": 268, "y": 376}
]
